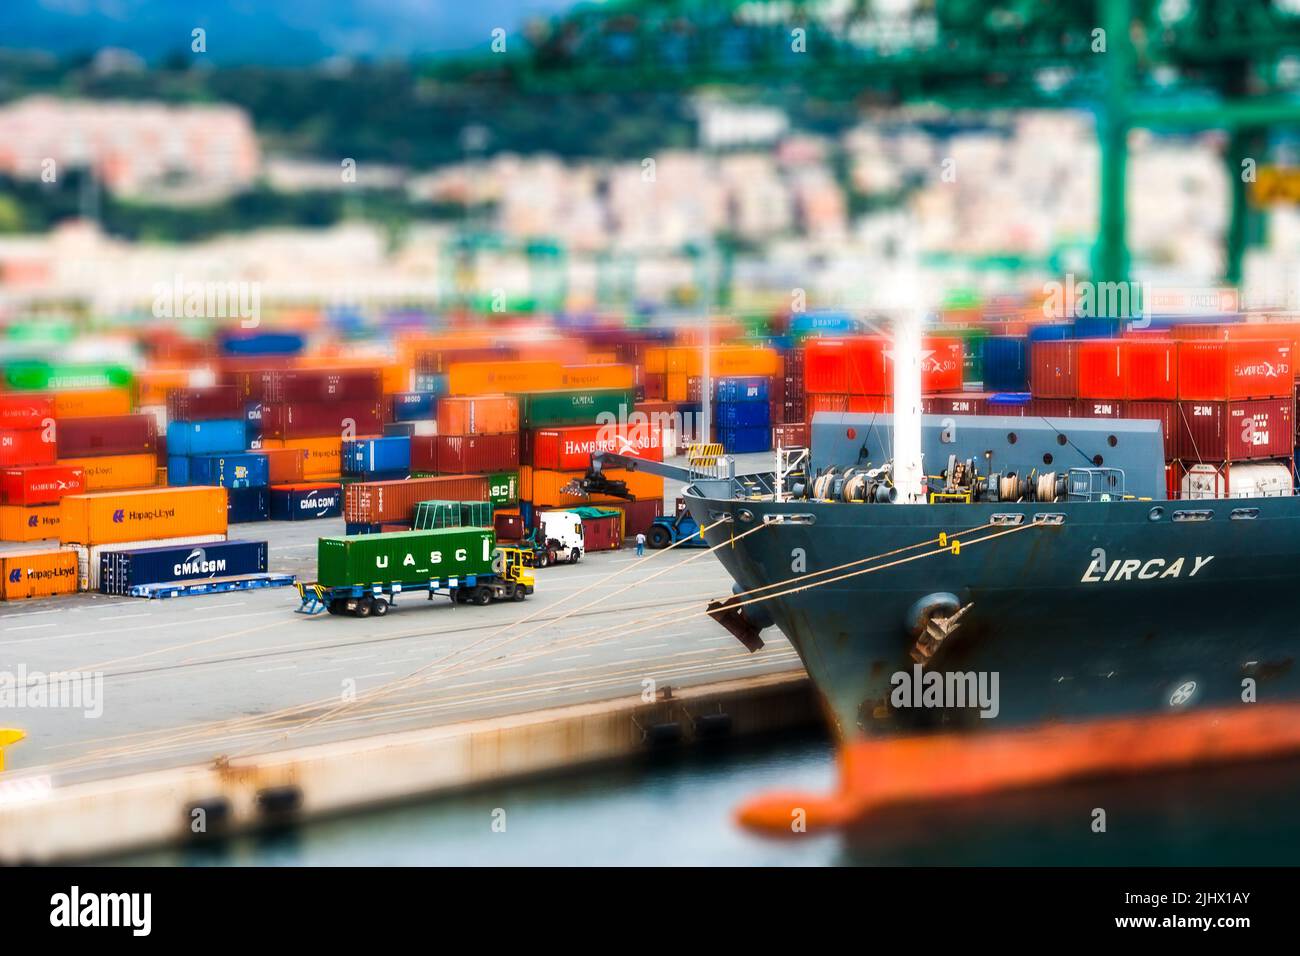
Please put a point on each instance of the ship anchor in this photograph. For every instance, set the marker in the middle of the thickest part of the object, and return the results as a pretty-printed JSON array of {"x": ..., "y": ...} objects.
[{"x": 938, "y": 628}]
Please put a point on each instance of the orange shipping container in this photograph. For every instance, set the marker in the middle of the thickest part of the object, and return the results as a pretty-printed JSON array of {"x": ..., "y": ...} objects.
[
  {"x": 485, "y": 378},
  {"x": 599, "y": 376},
  {"x": 285, "y": 464},
  {"x": 323, "y": 457},
  {"x": 723, "y": 360},
  {"x": 29, "y": 524},
  {"x": 480, "y": 415},
  {"x": 92, "y": 402},
  {"x": 543, "y": 488},
  {"x": 656, "y": 360},
  {"x": 676, "y": 386},
  {"x": 153, "y": 385},
  {"x": 116, "y": 472},
  {"x": 29, "y": 574},
  {"x": 114, "y": 516}
]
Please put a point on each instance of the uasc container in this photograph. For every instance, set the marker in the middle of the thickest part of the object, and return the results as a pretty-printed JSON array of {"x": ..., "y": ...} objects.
[{"x": 405, "y": 557}]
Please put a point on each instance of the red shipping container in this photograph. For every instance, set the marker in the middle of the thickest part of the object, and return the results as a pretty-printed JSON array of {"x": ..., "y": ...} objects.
[
  {"x": 1151, "y": 371},
  {"x": 1098, "y": 408},
  {"x": 314, "y": 385},
  {"x": 1166, "y": 413},
  {"x": 508, "y": 526},
  {"x": 566, "y": 449},
  {"x": 1219, "y": 371},
  {"x": 962, "y": 403},
  {"x": 843, "y": 366},
  {"x": 39, "y": 484},
  {"x": 1101, "y": 368},
  {"x": 874, "y": 404},
  {"x": 25, "y": 446},
  {"x": 1235, "y": 431},
  {"x": 204, "y": 404},
  {"x": 473, "y": 454},
  {"x": 107, "y": 435},
  {"x": 638, "y": 516},
  {"x": 602, "y": 534},
  {"x": 380, "y": 502},
  {"x": 1053, "y": 369},
  {"x": 941, "y": 369},
  {"x": 322, "y": 420},
  {"x": 1052, "y": 407},
  {"x": 25, "y": 410}
]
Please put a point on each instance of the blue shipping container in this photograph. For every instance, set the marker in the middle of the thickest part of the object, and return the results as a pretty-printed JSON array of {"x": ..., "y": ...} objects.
[
  {"x": 1051, "y": 333},
  {"x": 414, "y": 406},
  {"x": 213, "y": 437},
  {"x": 1006, "y": 363},
  {"x": 751, "y": 389},
  {"x": 367, "y": 456},
  {"x": 178, "y": 470},
  {"x": 1098, "y": 328},
  {"x": 262, "y": 343},
  {"x": 302, "y": 502},
  {"x": 238, "y": 470},
  {"x": 121, "y": 570},
  {"x": 738, "y": 441},
  {"x": 247, "y": 504},
  {"x": 1007, "y": 399},
  {"x": 743, "y": 414},
  {"x": 435, "y": 383}
]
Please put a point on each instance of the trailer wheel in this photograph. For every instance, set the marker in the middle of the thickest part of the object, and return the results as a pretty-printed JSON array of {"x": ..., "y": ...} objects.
[
  {"x": 660, "y": 537},
  {"x": 519, "y": 593},
  {"x": 364, "y": 606},
  {"x": 333, "y": 607},
  {"x": 482, "y": 596},
  {"x": 543, "y": 558},
  {"x": 381, "y": 607}
]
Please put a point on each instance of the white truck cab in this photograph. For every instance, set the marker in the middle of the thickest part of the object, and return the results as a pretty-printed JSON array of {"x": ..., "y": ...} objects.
[{"x": 561, "y": 534}]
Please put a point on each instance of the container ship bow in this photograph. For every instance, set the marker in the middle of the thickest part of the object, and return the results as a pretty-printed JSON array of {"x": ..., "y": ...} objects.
[{"x": 1032, "y": 609}]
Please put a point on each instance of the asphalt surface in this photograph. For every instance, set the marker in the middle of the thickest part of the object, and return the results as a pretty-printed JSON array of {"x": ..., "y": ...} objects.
[{"x": 191, "y": 679}]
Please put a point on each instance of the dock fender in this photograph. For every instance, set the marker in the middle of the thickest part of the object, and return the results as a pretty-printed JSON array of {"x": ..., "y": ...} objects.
[
  {"x": 756, "y": 613},
  {"x": 938, "y": 604}
]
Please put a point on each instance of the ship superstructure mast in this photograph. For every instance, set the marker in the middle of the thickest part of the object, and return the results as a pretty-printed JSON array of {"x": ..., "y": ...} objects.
[{"x": 908, "y": 354}]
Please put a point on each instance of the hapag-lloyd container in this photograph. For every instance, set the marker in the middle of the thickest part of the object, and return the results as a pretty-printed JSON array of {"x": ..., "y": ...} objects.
[
  {"x": 483, "y": 378},
  {"x": 91, "y": 403},
  {"x": 106, "y": 435},
  {"x": 1235, "y": 431},
  {"x": 322, "y": 457},
  {"x": 121, "y": 570},
  {"x": 406, "y": 557},
  {"x": 139, "y": 515},
  {"x": 545, "y": 488},
  {"x": 301, "y": 502},
  {"x": 19, "y": 523},
  {"x": 380, "y": 502},
  {"x": 26, "y": 446},
  {"x": 115, "y": 472},
  {"x": 561, "y": 449},
  {"x": 40, "y": 484},
  {"x": 317, "y": 420},
  {"x": 29, "y": 574},
  {"x": 1053, "y": 369},
  {"x": 88, "y": 563},
  {"x": 211, "y": 437},
  {"x": 478, "y": 415},
  {"x": 284, "y": 466},
  {"x": 1234, "y": 369},
  {"x": 465, "y": 454},
  {"x": 574, "y": 407}
]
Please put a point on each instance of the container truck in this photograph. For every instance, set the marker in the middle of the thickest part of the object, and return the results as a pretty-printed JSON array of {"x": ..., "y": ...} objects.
[{"x": 361, "y": 575}]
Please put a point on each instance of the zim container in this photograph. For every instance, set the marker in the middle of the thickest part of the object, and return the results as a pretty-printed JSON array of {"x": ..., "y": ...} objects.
[
  {"x": 111, "y": 517},
  {"x": 306, "y": 501},
  {"x": 1235, "y": 431},
  {"x": 378, "y": 502},
  {"x": 406, "y": 557},
  {"x": 119, "y": 571},
  {"x": 212, "y": 437},
  {"x": 107, "y": 435},
  {"x": 40, "y": 484},
  {"x": 29, "y": 574}
]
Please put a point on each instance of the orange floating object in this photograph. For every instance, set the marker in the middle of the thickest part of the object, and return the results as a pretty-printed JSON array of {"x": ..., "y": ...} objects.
[{"x": 877, "y": 773}]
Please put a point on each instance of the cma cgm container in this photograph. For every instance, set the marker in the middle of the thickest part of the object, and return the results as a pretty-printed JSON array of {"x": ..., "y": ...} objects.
[
  {"x": 366, "y": 456},
  {"x": 1219, "y": 371},
  {"x": 1235, "y": 431},
  {"x": 574, "y": 406},
  {"x": 478, "y": 415},
  {"x": 241, "y": 470},
  {"x": 29, "y": 574},
  {"x": 213, "y": 437},
  {"x": 560, "y": 449},
  {"x": 380, "y": 502},
  {"x": 406, "y": 557},
  {"x": 121, "y": 570},
  {"x": 301, "y": 502},
  {"x": 466, "y": 454},
  {"x": 40, "y": 484},
  {"x": 138, "y": 515},
  {"x": 88, "y": 564}
]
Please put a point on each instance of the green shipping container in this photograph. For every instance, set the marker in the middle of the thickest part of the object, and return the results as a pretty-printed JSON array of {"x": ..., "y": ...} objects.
[
  {"x": 404, "y": 557},
  {"x": 581, "y": 406},
  {"x": 503, "y": 489},
  {"x": 475, "y": 514},
  {"x": 437, "y": 514},
  {"x": 42, "y": 376}
]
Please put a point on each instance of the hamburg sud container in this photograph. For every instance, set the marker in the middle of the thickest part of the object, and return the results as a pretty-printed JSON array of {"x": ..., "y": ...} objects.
[
  {"x": 574, "y": 406},
  {"x": 404, "y": 557},
  {"x": 1235, "y": 431},
  {"x": 561, "y": 449},
  {"x": 301, "y": 502},
  {"x": 140, "y": 515},
  {"x": 1219, "y": 371},
  {"x": 478, "y": 415},
  {"x": 29, "y": 574},
  {"x": 381, "y": 502},
  {"x": 40, "y": 484},
  {"x": 121, "y": 570},
  {"x": 23, "y": 410}
]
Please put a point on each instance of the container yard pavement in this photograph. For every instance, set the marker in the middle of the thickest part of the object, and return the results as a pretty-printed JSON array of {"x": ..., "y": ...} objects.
[{"x": 189, "y": 679}]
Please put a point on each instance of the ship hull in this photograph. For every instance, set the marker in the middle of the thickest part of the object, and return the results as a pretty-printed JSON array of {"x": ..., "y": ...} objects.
[{"x": 1117, "y": 610}]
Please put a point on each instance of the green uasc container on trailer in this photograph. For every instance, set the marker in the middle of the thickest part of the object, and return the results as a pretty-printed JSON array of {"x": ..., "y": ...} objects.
[{"x": 404, "y": 557}]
